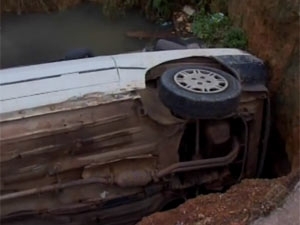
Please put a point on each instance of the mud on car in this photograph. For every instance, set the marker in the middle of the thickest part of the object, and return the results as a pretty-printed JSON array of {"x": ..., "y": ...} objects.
[{"x": 111, "y": 139}]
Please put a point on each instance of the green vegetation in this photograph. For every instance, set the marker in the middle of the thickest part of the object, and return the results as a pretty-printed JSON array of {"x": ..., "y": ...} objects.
[
  {"x": 210, "y": 27},
  {"x": 114, "y": 8},
  {"x": 162, "y": 8},
  {"x": 216, "y": 30},
  {"x": 235, "y": 38},
  {"x": 152, "y": 8}
]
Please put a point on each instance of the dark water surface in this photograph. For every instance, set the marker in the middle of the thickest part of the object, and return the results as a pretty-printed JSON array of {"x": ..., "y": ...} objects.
[{"x": 38, "y": 38}]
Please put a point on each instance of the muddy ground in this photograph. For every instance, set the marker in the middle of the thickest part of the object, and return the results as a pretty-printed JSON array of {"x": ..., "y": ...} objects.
[{"x": 240, "y": 205}]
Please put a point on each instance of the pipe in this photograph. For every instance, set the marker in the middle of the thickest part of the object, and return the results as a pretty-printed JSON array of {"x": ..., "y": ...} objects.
[
  {"x": 202, "y": 163},
  {"x": 246, "y": 148},
  {"x": 53, "y": 187},
  {"x": 177, "y": 167}
]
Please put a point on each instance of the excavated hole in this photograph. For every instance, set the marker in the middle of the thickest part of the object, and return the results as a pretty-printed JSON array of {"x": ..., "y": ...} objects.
[
  {"x": 276, "y": 163},
  {"x": 172, "y": 204}
]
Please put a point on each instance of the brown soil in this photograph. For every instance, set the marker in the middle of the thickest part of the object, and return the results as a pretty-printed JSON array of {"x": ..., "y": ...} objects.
[
  {"x": 272, "y": 28},
  {"x": 240, "y": 205}
]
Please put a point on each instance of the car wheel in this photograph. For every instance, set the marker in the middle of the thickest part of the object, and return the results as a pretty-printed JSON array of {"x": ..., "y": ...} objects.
[{"x": 197, "y": 92}]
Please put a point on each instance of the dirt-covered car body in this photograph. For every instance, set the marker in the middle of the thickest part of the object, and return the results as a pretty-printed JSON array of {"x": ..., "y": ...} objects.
[{"x": 91, "y": 140}]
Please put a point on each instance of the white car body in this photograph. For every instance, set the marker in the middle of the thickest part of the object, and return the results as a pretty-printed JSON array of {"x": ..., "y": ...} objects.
[{"x": 33, "y": 86}]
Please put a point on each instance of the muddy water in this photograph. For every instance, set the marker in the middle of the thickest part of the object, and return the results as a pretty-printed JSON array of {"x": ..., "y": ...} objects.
[{"x": 37, "y": 38}]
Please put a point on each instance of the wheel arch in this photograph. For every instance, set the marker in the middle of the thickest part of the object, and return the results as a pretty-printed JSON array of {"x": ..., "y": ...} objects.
[{"x": 155, "y": 72}]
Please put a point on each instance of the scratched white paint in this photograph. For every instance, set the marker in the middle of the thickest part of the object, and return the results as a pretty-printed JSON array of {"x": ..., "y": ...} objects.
[
  {"x": 51, "y": 83},
  {"x": 33, "y": 101},
  {"x": 61, "y": 83}
]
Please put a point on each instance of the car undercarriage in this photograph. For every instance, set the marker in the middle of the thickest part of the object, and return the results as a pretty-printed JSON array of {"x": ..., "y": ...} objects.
[{"x": 113, "y": 159}]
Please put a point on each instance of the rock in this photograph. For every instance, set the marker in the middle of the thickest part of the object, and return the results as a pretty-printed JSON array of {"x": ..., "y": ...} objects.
[
  {"x": 201, "y": 216},
  {"x": 166, "y": 24},
  {"x": 188, "y": 10},
  {"x": 180, "y": 19},
  {"x": 188, "y": 27}
]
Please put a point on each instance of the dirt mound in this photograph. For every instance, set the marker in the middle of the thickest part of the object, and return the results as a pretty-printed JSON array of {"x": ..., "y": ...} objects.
[{"x": 240, "y": 205}]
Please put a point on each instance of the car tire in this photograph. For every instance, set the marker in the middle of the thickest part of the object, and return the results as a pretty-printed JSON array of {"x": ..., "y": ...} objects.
[{"x": 207, "y": 93}]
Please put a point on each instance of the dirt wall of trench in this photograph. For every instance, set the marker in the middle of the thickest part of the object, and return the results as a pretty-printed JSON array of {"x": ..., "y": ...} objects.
[{"x": 272, "y": 27}]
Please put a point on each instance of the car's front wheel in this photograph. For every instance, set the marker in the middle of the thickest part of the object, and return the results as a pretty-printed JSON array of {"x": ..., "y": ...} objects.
[{"x": 197, "y": 92}]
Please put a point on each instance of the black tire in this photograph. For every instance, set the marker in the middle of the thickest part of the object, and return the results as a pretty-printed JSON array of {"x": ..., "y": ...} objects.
[{"x": 191, "y": 105}]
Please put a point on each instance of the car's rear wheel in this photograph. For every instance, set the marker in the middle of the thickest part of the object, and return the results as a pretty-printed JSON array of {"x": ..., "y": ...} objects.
[{"x": 197, "y": 92}]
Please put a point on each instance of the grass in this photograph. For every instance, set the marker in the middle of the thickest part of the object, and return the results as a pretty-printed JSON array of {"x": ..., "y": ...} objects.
[
  {"x": 235, "y": 38},
  {"x": 216, "y": 29}
]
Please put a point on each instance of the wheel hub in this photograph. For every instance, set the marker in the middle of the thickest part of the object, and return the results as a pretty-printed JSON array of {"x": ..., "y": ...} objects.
[{"x": 200, "y": 81}]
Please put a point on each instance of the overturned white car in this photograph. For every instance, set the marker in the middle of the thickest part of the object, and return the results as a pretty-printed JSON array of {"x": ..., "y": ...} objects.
[{"x": 111, "y": 139}]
